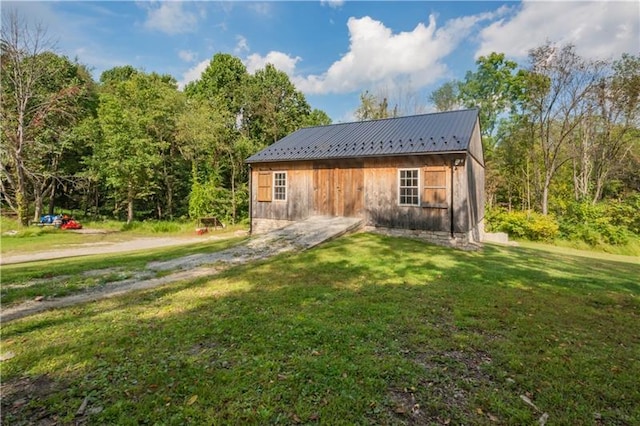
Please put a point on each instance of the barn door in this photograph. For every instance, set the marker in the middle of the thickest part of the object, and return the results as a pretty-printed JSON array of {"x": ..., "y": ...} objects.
[{"x": 338, "y": 192}]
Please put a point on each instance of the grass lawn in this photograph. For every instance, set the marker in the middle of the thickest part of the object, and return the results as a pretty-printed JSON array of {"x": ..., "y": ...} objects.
[
  {"x": 62, "y": 277},
  {"x": 19, "y": 240},
  {"x": 363, "y": 330}
]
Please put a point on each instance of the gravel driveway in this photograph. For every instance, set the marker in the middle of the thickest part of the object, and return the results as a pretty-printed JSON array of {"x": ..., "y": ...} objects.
[{"x": 299, "y": 236}]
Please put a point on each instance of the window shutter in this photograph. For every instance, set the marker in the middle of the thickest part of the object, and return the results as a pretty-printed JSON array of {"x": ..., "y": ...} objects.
[
  {"x": 264, "y": 186},
  {"x": 435, "y": 187}
]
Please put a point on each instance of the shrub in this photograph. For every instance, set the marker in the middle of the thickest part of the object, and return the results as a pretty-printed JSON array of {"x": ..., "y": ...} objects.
[
  {"x": 523, "y": 224},
  {"x": 608, "y": 222}
]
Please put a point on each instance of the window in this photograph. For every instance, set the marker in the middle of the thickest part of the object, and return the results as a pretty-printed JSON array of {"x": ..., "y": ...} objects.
[
  {"x": 264, "y": 186},
  {"x": 280, "y": 186},
  {"x": 408, "y": 188}
]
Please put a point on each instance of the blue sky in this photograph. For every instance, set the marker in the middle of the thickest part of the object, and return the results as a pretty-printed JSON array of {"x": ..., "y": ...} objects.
[{"x": 332, "y": 50}]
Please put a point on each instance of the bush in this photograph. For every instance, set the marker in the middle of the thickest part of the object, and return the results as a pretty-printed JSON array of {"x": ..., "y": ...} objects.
[
  {"x": 523, "y": 224},
  {"x": 608, "y": 222}
]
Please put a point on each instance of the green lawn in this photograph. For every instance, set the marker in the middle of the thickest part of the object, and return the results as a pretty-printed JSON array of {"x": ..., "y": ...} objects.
[
  {"x": 61, "y": 277},
  {"x": 363, "y": 330},
  {"x": 20, "y": 240}
]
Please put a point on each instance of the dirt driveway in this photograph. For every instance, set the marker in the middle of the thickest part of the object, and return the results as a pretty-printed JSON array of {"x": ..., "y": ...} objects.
[
  {"x": 299, "y": 236},
  {"x": 113, "y": 247}
]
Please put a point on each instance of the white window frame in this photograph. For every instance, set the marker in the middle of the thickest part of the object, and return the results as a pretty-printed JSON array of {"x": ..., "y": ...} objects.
[
  {"x": 416, "y": 187},
  {"x": 277, "y": 186}
]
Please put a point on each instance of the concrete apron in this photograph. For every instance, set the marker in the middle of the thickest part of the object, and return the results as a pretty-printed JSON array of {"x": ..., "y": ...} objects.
[{"x": 299, "y": 236}]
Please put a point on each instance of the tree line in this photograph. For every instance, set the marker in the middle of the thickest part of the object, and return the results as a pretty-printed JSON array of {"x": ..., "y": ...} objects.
[
  {"x": 561, "y": 137},
  {"x": 132, "y": 145},
  {"x": 560, "y": 133}
]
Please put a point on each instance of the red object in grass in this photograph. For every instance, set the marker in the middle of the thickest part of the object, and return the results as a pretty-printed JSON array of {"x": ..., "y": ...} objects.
[{"x": 70, "y": 224}]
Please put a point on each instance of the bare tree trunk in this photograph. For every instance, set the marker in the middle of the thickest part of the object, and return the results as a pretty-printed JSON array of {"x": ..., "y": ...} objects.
[
  {"x": 233, "y": 190},
  {"x": 129, "y": 210},
  {"x": 545, "y": 193},
  {"x": 52, "y": 196},
  {"x": 37, "y": 203},
  {"x": 130, "y": 203},
  {"x": 22, "y": 202},
  {"x": 19, "y": 42}
]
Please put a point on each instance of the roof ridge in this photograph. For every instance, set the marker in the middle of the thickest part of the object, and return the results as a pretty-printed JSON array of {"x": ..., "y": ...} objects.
[{"x": 390, "y": 118}]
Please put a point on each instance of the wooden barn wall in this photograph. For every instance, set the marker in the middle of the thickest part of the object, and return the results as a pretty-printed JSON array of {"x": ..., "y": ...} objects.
[
  {"x": 299, "y": 192},
  {"x": 338, "y": 188},
  {"x": 475, "y": 177},
  {"x": 381, "y": 195},
  {"x": 475, "y": 145},
  {"x": 461, "y": 207},
  {"x": 368, "y": 188}
]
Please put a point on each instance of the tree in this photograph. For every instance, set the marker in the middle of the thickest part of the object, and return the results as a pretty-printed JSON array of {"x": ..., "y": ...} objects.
[
  {"x": 492, "y": 88},
  {"x": 274, "y": 108},
  {"x": 223, "y": 82},
  {"x": 203, "y": 134},
  {"x": 317, "y": 118},
  {"x": 446, "y": 97},
  {"x": 373, "y": 108},
  {"x": 117, "y": 75},
  {"x": 137, "y": 118},
  {"x": 43, "y": 97},
  {"x": 616, "y": 123},
  {"x": 557, "y": 85}
]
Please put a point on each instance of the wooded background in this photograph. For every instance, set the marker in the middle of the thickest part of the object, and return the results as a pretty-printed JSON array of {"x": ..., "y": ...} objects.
[{"x": 560, "y": 132}]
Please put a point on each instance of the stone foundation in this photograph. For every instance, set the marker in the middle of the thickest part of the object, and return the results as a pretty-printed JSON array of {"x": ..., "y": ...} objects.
[
  {"x": 460, "y": 240},
  {"x": 262, "y": 226}
]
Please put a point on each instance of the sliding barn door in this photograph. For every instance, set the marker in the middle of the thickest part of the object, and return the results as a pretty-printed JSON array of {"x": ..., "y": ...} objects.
[{"x": 338, "y": 191}]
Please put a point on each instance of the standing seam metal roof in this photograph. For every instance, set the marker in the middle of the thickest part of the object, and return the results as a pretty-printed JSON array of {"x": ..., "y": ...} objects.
[{"x": 418, "y": 134}]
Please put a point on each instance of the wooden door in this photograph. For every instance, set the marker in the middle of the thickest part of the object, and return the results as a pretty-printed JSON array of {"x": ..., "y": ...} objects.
[{"x": 338, "y": 191}]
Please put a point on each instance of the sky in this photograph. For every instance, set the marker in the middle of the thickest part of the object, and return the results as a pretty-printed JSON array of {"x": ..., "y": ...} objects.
[{"x": 332, "y": 50}]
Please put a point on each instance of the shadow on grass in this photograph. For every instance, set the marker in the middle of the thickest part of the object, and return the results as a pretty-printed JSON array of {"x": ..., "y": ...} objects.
[{"x": 361, "y": 330}]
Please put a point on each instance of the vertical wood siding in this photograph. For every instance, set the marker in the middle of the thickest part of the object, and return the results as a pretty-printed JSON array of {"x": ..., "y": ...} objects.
[
  {"x": 369, "y": 188},
  {"x": 338, "y": 189},
  {"x": 381, "y": 193},
  {"x": 264, "y": 183}
]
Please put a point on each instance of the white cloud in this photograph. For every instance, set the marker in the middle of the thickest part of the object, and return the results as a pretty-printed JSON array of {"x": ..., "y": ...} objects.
[
  {"x": 598, "y": 29},
  {"x": 332, "y": 3},
  {"x": 193, "y": 74},
  {"x": 377, "y": 56},
  {"x": 242, "y": 45},
  {"x": 170, "y": 17},
  {"x": 187, "y": 55},
  {"x": 280, "y": 60}
]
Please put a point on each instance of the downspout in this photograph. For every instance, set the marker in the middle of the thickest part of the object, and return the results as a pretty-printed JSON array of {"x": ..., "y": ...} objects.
[
  {"x": 250, "y": 200},
  {"x": 451, "y": 203}
]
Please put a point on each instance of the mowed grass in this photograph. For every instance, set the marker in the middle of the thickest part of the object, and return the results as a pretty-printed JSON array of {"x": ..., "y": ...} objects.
[
  {"x": 61, "y": 277},
  {"x": 363, "y": 330},
  {"x": 15, "y": 239}
]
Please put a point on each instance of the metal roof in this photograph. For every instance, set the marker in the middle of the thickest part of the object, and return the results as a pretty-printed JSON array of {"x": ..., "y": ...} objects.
[{"x": 418, "y": 134}]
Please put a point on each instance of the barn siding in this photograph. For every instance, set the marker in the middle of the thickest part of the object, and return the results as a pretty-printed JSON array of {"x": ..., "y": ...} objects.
[
  {"x": 369, "y": 189},
  {"x": 381, "y": 194},
  {"x": 299, "y": 190},
  {"x": 475, "y": 145},
  {"x": 460, "y": 199},
  {"x": 475, "y": 178}
]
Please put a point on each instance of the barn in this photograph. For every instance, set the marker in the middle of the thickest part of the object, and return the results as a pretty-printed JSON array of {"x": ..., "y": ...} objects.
[{"x": 419, "y": 175}]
